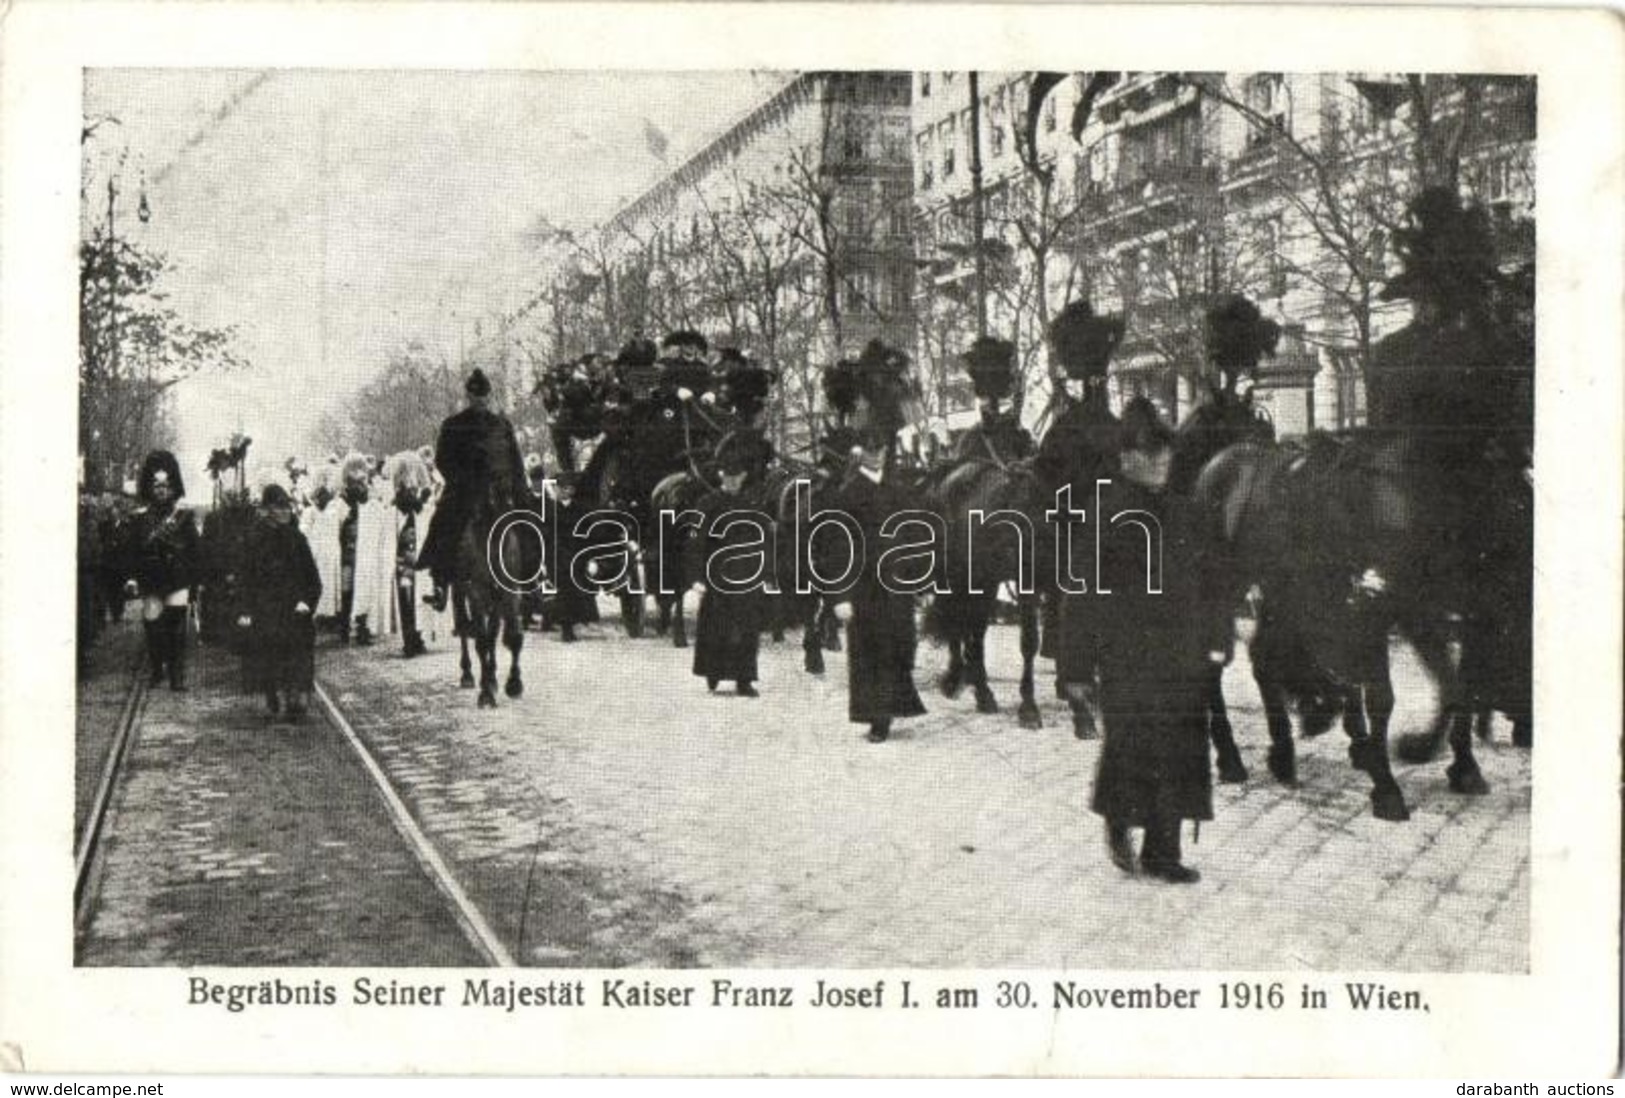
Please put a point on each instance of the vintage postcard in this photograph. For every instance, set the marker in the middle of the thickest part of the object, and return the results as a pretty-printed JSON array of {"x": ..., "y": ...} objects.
[{"x": 810, "y": 540}]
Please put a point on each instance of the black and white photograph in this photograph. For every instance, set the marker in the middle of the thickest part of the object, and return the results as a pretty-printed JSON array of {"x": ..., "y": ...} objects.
[{"x": 667, "y": 528}]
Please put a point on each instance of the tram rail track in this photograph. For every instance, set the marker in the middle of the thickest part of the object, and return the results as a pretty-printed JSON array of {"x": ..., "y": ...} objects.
[{"x": 89, "y": 845}]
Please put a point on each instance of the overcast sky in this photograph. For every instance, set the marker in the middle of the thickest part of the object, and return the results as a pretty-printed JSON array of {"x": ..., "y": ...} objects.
[{"x": 371, "y": 208}]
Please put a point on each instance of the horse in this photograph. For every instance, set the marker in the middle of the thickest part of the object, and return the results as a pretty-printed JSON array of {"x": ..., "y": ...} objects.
[
  {"x": 993, "y": 514},
  {"x": 1224, "y": 420},
  {"x": 1341, "y": 537},
  {"x": 483, "y": 607}
]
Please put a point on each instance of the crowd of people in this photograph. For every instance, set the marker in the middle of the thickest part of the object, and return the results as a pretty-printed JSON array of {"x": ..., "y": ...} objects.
[{"x": 341, "y": 547}]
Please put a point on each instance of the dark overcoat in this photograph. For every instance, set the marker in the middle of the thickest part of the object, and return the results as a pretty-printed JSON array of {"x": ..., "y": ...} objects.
[
  {"x": 1154, "y": 665},
  {"x": 881, "y": 637},
  {"x": 571, "y": 603},
  {"x": 160, "y": 550},
  {"x": 477, "y": 452},
  {"x": 281, "y": 575},
  {"x": 727, "y": 634}
]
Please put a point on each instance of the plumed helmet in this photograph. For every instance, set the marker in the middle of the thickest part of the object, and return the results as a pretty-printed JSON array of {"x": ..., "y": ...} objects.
[
  {"x": 1447, "y": 252},
  {"x": 477, "y": 385},
  {"x": 885, "y": 386},
  {"x": 160, "y": 465},
  {"x": 1238, "y": 335},
  {"x": 685, "y": 337},
  {"x": 637, "y": 352},
  {"x": 991, "y": 364},
  {"x": 746, "y": 385},
  {"x": 1082, "y": 342}
]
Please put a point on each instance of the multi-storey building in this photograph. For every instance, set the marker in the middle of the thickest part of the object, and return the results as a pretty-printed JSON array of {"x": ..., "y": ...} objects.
[
  {"x": 788, "y": 235},
  {"x": 1182, "y": 186}
]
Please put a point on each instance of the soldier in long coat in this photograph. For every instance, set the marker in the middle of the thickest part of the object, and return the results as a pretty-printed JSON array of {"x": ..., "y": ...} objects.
[
  {"x": 283, "y": 589},
  {"x": 159, "y": 555},
  {"x": 881, "y": 632},
  {"x": 572, "y": 603},
  {"x": 478, "y": 455},
  {"x": 1157, "y": 629},
  {"x": 1078, "y": 449},
  {"x": 727, "y": 634}
]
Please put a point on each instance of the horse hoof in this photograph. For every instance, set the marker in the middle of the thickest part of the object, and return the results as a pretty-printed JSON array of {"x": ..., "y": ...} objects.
[
  {"x": 1284, "y": 767},
  {"x": 467, "y": 682},
  {"x": 1418, "y": 747},
  {"x": 815, "y": 663},
  {"x": 950, "y": 686},
  {"x": 679, "y": 642},
  {"x": 1232, "y": 772},
  {"x": 1468, "y": 782},
  {"x": 487, "y": 700},
  {"x": 985, "y": 702},
  {"x": 1083, "y": 726},
  {"x": 515, "y": 688},
  {"x": 1389, "y": 806},
  {"x": 1027, "y": 716}
]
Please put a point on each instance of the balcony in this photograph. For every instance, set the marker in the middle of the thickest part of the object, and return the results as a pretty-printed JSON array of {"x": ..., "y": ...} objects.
[{"x": 1154, "y": 190}]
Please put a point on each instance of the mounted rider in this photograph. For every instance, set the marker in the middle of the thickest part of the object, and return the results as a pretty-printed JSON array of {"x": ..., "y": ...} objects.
[
  {"x": 478, "y": 455},
  {"x": 998, "y": 436}
]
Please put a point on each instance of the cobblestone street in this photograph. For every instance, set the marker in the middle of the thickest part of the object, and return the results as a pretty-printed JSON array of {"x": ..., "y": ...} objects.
[{"x": 617, "y": 814}]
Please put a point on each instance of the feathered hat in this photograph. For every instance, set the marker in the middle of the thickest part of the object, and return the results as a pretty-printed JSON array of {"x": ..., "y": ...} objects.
[
  {"x": 409, "y": 472},
  {"x": 991, "y": 364},
  {"x": 1082, "y": 342},
  {"x": 160, "y": 464},
  {"x": 885, "y": 386},
  {"x": 685, "y": 337},
  {"x": 1238, "y": 335},
  {"x": 1447, "y": 252}
]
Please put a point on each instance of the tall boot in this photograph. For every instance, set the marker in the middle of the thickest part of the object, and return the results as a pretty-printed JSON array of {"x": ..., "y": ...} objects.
[
  {"x": 1160, "y": 856},
  {"x": 879, "y": 731},
  {"x": 155, "y": 650},
  {"x": 1120, "y": 846},
  {"x": 174, "y": 621}
]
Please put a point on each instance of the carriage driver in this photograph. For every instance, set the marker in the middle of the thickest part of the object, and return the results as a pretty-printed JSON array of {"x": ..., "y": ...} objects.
[{"x": 478, "y": 455}]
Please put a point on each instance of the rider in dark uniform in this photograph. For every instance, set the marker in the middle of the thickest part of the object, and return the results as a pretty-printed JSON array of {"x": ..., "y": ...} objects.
[
  {"x": 160, "y": 555},
  {"x": 999, "y": 435},
  {"x": 477, "y": 453}
]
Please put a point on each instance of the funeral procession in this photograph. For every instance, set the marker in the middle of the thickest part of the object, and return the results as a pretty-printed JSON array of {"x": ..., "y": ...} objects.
[{"x": 776, "y": 519}]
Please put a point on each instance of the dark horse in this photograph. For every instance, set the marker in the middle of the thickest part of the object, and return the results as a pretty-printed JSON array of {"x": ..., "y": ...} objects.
[
  {"x": 1226, "y": 419},
  {"x": 1345, "y": 540},
  {"x": 993, "y": 516},
  {"x": 484, "y": 607}
]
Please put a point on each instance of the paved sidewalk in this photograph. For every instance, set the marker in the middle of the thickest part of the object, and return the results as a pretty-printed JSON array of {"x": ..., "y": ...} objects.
[{"x": 618, "y": 814}]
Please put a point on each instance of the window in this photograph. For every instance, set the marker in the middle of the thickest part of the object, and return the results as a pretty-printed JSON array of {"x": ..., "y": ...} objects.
[
  {"x": 1049, "y": 114},
  {"x": 852, "y": 144},
  {"x": 895, "y": 197},
  {"x": 996, "y": 138},
  {"x": 926, "y": 160},
  {"x": 1266, "y": 96},
  {"x": 1273, "y": 243},
  {"x": 925, "y": 85}
]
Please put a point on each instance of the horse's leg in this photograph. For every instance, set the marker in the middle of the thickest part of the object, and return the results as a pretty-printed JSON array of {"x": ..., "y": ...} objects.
[
  {"x": 1231, "y": 768},
  {"x": 515, "y": 639},
  {"x": 1455, "y": 721},
  {"x": 632, "y": 613},
  {"x": 812, "y": 647},
  {"x": 1369, "y": 749},
  {"x": 953, "y": 678},
  {"x": 976, "y": 656},
  {"x": 1267, "y": 656},
  {"x": 463, "y": 622},
  {"x": 1027, "y": 713},
  {"x": 485, "y": 645},
  {"x": 679, "y": 627},
  {"x": 831, "y": 629}
]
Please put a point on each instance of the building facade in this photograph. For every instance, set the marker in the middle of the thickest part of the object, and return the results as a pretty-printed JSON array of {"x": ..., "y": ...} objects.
[
  {"x": 787, "y": 235},
  {"x": 1182, "y": 186}
]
